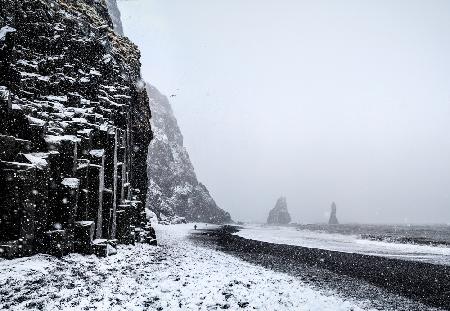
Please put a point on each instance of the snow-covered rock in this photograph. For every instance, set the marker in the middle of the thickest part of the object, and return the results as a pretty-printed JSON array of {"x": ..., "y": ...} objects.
[
  {"x": 174, "y": 192},
  {"x": 74, "y": 129},
  {"x": 279, "y": 215},
  {"x": 4, "y": 30}
]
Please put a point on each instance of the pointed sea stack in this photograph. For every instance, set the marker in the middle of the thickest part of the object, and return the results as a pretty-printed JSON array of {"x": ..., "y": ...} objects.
[
  {"x": 333, "y": 219},
  {"x": 279, "y": 215}
]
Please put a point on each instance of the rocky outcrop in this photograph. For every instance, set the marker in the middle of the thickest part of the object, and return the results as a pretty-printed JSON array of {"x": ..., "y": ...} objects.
[
  {"x": 279, "y": 215},
  {"x": 174, "y": 194},
  {"x": 333, "y": 219},
  {"x": 74, "y": 133}
]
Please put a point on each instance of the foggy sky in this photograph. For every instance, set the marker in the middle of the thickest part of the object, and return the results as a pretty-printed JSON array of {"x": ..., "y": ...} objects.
[{"x": 319, "y": 101}]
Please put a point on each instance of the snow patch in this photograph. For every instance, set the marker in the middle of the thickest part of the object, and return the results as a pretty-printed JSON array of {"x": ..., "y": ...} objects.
[
  {"x": 98, "y": 153},
  {"x": 56, "y": 98},
  {"x": 57, "y": 139},
  {"x": 36, "y": 121},
  {"x": 37, "y": 159},
  {"x": 71, "y": 182},
  {"x": 4, "y": 30}
]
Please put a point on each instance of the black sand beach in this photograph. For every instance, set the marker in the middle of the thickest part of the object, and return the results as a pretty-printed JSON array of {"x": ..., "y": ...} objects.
[{"x": 389, "y": 284}]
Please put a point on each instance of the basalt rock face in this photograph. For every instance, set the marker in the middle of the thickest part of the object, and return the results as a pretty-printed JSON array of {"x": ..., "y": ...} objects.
[
  {"x": 279, "y": 215},
  {"x": 175, "y": 195},
  {"x": 333, "y": 219},
  {"x": 74, "y": 131}
]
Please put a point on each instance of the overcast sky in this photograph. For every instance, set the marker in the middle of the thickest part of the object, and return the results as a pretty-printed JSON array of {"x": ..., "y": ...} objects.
[{"x": 319, "y": 101}]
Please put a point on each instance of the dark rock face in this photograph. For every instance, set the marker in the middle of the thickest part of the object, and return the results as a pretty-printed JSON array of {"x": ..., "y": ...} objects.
[
  {"x": 175, "y": 195},
  {"x": 279, "y": 215},
  {"x": 74, "y": 133},
  {"x": 333, "y": 219}
]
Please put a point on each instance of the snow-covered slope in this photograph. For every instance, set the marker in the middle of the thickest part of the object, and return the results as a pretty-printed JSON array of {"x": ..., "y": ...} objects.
[
  {"x": 174, "y": 190},
  {"x": 178, "y": 275}
]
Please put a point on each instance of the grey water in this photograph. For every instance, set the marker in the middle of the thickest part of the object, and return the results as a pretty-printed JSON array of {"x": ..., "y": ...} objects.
[{"x": 432, "y": 234}]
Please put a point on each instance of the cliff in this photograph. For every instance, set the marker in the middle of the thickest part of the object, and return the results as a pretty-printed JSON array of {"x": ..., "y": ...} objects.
[
  {"x": 279, "y": 215},
  {"x": 174, "y": 194},
  {"x": 74, "y": 133}
]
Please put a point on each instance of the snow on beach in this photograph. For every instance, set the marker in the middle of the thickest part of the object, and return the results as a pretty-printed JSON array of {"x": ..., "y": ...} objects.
[
  {"x": 345, "y": 243},
  {"x": 177, "y": 275}
]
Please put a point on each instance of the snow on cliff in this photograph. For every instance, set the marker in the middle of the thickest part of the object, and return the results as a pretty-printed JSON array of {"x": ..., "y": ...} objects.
[{"x": 174, "y": 191}]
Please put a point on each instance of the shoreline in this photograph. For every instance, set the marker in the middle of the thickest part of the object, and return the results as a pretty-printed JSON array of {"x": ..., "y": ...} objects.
[{"x": 420, "y": 282}]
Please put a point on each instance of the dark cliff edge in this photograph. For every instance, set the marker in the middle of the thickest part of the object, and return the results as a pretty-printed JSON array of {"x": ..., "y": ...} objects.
[
  {"x": 175, "y": 194},
  {"x": 75, "y": 131}
]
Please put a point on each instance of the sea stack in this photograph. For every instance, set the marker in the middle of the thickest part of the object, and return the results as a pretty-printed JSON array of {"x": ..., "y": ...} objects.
[
  {"x": 333, "y": 219},
  {"x": 279, "y": 215}
]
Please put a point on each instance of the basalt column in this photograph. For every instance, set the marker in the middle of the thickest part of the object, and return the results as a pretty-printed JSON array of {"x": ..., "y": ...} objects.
[{"x": 74, "y": 133}]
